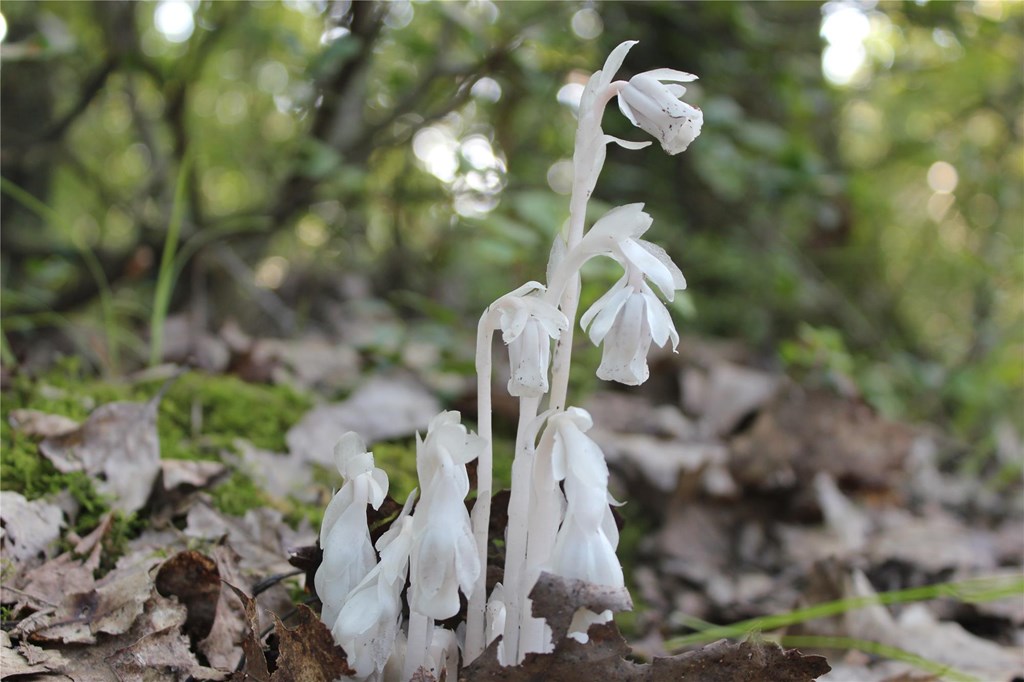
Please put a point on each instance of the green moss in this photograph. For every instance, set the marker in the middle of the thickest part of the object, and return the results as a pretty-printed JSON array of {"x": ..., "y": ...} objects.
[
  {"x": 199, "y": 417},
  {"x": 24, "y": 470},
  {"x": 238, "y": 495},
  {"x": 202, "y": 414},
  {"x": 399, "y": 460}
]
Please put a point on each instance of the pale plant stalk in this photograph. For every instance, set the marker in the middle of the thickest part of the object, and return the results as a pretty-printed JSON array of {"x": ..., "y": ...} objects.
[
  {"x": 518, "y": 525},
  {"x": 588, "y": 136},
  {"x": 565, "y": 291},
  {"x": 418, "y": 644},
  {"x": 476, "y": 612}
]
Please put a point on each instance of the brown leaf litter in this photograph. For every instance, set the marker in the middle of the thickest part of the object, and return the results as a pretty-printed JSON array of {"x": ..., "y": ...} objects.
[{"x": 604, "y": 655}]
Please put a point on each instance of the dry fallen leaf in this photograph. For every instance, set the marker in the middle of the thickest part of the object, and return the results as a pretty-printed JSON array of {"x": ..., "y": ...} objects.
[
  {"x": 222, "y": 646},
  {"x": 118, "y": 445},
  {"x": 658, "y": 462},
  {"x": 261, "y": 538},
  {"x": 29, "y": 528},
  {"x": 130, "y": 631},
  {"x": 307, "y": 652},
  {"x": 604, "y": 656},
  {"x": 194, "y": 579},
  {"x": 13, "y": 663},
  {"x": 382, "y": 409},
  {"x": 276, "y": 473},
  {"x": 727, "y": 395},
  {"x": 919, "y": 632},
  {"x": 255, "y": 666},
  {"x": 109, "y": 607},
  {"x": 45, "y": 587},
  {"x": 802, "y": 432},
  {"x": 36, "y": 424}
]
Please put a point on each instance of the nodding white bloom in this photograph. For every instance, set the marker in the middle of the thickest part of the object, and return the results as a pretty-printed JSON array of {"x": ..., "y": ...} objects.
[
  {"x": 617, "y": 234},
  {"x": 650, "y": 100},
  {"x": 368, "y": 623},
  {"x": 444, "y": 556},
  {"x": 585, "y": 545},
  {"x": 528, "y": 325},
  {"x": 344, "y": 535},
  {"x": 630, "y": 316},
  {"x": 624, "y": 322}
]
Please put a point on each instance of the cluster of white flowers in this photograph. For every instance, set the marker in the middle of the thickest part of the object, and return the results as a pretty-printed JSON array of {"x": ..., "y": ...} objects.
[{"x": 560, "y": 517}]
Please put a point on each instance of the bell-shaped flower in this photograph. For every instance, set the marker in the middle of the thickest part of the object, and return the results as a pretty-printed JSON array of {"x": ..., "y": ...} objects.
[
  {"x": 528, "y": 325},
  {"x": 344, "y": 535},
  {"x": 624, "y": 322},
  {"x": 650, "y": 100},
  {"x": 444, "y": 557},
  {"x": 368, "y": 622},
  {"x": 585, "y": 544}
]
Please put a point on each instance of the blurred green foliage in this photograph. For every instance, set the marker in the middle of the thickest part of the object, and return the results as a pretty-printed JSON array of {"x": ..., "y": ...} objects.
[{"x": 417, "y": 153}]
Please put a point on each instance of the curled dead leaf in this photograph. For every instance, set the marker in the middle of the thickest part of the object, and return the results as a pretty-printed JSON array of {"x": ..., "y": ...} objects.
[
  {"x": 118, "y": 444},
  {"x": 194, "y": 579}
]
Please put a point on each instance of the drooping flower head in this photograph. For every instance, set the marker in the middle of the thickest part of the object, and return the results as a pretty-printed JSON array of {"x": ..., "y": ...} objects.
[
  {"x": 626, "y": 319},
  {"x": 368, "y": 622},
  {"x": 650, "y": 100},
  {"x": 528, "y": 325},
  {"x": 344, "y": 535},
  {"x": 444, "y": 557}
]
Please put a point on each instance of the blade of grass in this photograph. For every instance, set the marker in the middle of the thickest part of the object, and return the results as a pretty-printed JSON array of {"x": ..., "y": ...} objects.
[
  {"x": 976, "y": 590},
  {"x": 878, "y": 649},
  {"x": 167, "y": 276},
  {"x": 6, "y": 354},
  {"x": 92, "y": 263}
]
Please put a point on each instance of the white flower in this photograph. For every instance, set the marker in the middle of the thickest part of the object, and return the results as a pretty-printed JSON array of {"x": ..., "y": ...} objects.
[
  {"x": 626, "y": 320},
  {"x": 629, "y": 316},
  {"x": 528, "y": 325},
  {"x": 368, "y": 623},
  {"x": 585, "y": 545},
  {"x": 652, "y": 105},
  {"x": 344, "y": 535},
  {"x": 617, "y": 234},
  {"x": 444, "y": 557}
]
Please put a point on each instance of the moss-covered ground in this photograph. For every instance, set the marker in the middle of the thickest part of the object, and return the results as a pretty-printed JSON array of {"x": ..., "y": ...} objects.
[{"x": 200, "y": 417}]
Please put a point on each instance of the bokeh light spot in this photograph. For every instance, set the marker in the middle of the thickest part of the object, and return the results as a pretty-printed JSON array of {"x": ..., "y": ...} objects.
[
  {"x": 942, "y": 177},
  {"x": 271, "y": 272},
  {"x": 587, "y": 24},
  {"x": 174, "y": 20}
]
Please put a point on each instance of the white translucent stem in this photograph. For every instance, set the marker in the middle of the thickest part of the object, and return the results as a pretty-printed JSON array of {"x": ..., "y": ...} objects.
[
  {"x": 475, "y": 617},
  {"x": 420, "y": 629},
  {"x": 588, "y": 141},
  {"x": 516, "y": 534}
]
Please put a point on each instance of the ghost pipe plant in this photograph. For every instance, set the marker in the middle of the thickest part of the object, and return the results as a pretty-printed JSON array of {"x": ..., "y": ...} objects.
[{"x": 560, "y": 518}]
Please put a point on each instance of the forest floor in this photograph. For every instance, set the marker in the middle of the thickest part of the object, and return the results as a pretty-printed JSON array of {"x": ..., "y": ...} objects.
[{"x": 166, "y": 521}]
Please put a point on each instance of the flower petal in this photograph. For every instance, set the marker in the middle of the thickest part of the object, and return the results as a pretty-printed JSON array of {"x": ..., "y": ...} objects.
[
  {"x": 626, "y": 110},
  {"x": 670, "y": 75},
  {"x": 627, "y": 144},
  {"x": 608, "y": 313},
  {"x": 622, "y": 222},
  {"x": 678, "y": 281},
  {"x": 615, "y": 59},
  {"x": 650, "y": 265}
]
